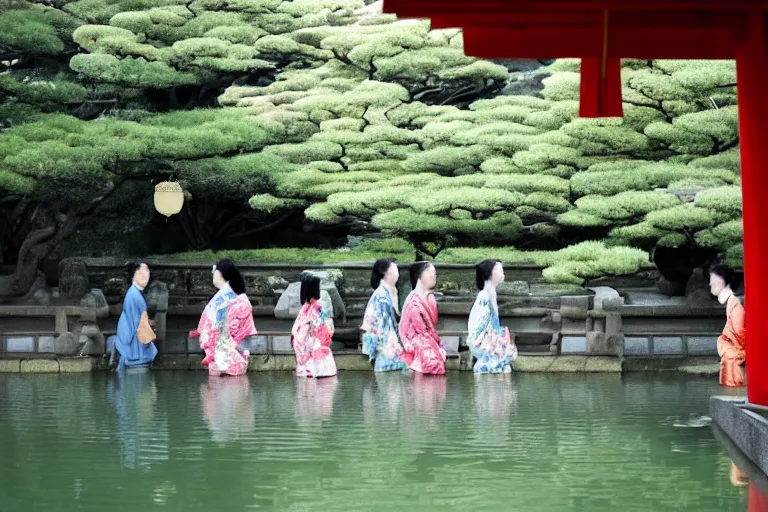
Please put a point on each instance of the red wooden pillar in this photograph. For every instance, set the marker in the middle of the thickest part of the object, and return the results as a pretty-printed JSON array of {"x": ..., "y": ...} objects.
[
  {"x": 752, "y": 77},
  {"x": 600, "y": 92}
]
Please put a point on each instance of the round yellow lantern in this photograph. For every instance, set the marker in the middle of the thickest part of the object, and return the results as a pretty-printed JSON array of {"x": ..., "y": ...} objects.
[{"x": 169, "y": 198}]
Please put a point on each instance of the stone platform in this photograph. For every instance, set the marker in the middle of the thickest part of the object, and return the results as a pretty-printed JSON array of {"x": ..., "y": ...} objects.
[
  {"x": 355, "y": 361},
  {"x": 745, "y": 425}
]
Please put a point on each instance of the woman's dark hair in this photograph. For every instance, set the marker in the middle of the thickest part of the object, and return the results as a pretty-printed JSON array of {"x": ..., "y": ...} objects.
[
  {"x": 131, "y": 268},
  {"x": 380, "y": 269},
  {"x": 416, "y": 269},
  {"x": 483, "y": 272},
  {"x": 230, "y": 274},
  {"x": 726, "y": 272},
  {"x": 310, "y": 287}
]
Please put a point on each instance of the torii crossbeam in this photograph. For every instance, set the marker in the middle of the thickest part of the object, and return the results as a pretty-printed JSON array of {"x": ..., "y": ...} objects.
[{"x": 601, "y": 32}]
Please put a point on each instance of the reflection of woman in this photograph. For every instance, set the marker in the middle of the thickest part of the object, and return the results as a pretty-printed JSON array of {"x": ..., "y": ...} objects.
[
  {"x": 228, "y": 408},
  {"x": 732, "y": 344},
  {"x": 383, "y": 398},
  {"x": 314, "y": 398},
  {"x": 423, "y": 350},
  {"x": 312, "y": 333},
  {"x": 757, "y": 501},
  {"x": 380, "y": 339},
  {"x": 141, "y": 425},
  {"x": 226, "y": 321},
  {"x": 491, "y": 344}
]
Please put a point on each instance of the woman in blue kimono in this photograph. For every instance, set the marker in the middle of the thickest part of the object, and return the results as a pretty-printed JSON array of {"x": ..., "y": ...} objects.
[
  {"x": 490, "y": 343},
  {"x": 134, "y": 334},
  {"x": 380, "y": 337}
]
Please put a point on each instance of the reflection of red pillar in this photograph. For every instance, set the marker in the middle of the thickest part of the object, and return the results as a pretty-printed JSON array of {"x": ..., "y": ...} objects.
[
  {"x": 756, "y": 500},
  {"x": 752, "y": 73}
]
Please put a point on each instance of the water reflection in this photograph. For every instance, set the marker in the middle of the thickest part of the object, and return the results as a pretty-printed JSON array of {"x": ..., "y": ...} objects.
[
  {"x": 744, "y": 473},
  {"x": 384, "y": 398},
  {"x": 314, "y": 398},
  {"x": 142, "y": 425},
  {"x": 494, "y": 398},
  {"x": 374, "y": 442},
  {"x": 228, "y": 407}
]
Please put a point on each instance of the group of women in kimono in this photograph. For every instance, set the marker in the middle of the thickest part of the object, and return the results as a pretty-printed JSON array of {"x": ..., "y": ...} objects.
[
  {"x": 392, "y": 341},
  {"x": 228, "y": 319},
  {"x": 413, "y": 342}
]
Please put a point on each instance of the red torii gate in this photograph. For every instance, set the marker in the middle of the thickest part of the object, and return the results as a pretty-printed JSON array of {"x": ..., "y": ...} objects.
[{"x": 601, "y": 32}]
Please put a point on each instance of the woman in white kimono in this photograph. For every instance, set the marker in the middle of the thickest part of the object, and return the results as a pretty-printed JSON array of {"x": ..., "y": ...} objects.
[{"x": 490, "y": 343}]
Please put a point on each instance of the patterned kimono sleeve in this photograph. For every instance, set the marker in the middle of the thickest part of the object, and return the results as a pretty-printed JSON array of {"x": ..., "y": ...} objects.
[
  {"x": 482, "y": 324},
  {"x": 240, "y": 319},
  {"x": 371, "y": 328},
  {"x": 323, "y": 328}
]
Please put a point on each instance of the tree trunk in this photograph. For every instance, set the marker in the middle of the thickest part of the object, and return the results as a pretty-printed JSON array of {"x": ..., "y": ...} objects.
[{"x": 36, "y": 247}]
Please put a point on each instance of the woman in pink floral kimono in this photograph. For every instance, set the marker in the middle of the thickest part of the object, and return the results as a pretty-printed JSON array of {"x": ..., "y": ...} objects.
[
  {"x": 423, "y": 350},
  {"x": 226, "y": 321},
  {"x": 312, "y": 333}
]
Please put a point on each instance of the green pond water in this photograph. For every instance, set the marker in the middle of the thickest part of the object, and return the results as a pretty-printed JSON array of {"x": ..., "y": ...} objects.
[{"x": 179, "y": 441}]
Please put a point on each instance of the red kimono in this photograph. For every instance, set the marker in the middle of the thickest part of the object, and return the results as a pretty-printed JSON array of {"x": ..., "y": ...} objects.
[{"x": 423, "y": 349}]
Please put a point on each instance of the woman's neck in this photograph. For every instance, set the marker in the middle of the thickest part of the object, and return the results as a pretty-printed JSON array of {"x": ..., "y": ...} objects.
[
  {"x": 490, "y": 288},
  {"x": 421, "y": 289},
  {"x": 724, "y": 295},
  {"x": 137, "y": 285}
]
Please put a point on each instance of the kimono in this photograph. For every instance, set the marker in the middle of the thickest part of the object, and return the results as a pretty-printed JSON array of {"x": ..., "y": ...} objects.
[
  {"x": 380, "y": 340},
  {"x": 311, "y": 340},
  {"x": 490, "y": 343},
  {"x": 226, "y": 321},
  {"x": 132, "y": 352},
  {"x": 423, "y": 350},
  {"x": 732, "y": 344}
]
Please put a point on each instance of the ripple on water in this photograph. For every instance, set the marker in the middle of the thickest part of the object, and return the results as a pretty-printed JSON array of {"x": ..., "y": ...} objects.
[{"x": 361, "y": 441}]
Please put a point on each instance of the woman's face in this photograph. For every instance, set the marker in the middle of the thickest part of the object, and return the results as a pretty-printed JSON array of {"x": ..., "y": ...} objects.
[
  {"x": 392, "y": 274},
  {"x": 218, "y": 280},
  {"x": 428, "y": 277},
  {"x": 497, "y": 276},
  {"x": 716, "y": 284},
  {"x": 141, "y": 277}
]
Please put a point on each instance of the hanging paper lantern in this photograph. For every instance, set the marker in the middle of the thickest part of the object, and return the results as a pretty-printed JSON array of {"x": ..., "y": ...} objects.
[{"x": 169, "y": 198}]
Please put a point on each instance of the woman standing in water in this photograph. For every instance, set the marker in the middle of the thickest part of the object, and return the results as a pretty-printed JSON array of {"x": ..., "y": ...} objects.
[
  {"x": 134, "y": 337},
  {"x": 312, "y": 333},
  {"x": 490, "y": 343},
  {"x": 380, "y": 339},
  {"x": 732, "y": 344},
  {"x": 423, "y": 350},
  {"x": 226, "y": 321}
]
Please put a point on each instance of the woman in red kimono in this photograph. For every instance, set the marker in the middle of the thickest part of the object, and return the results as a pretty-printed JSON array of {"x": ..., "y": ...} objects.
[
  {"x": 732, "y": 344},
  {"x": 423, "y": 350},
  {"x": 226, "y": 321},
  {"x": 312, "y": 333}
]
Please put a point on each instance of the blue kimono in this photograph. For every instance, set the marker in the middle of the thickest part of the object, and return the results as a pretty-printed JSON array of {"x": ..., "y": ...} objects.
[
  {"x": 380, "y": 338},
  {"x": 133, "y": 353}
]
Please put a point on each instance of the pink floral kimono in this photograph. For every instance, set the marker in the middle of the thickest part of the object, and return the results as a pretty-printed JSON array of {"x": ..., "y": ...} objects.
[
  {"x": 226, "y": 321},
  {"x": 312, "y": 333},
  {"x": 423, "y": 349}
]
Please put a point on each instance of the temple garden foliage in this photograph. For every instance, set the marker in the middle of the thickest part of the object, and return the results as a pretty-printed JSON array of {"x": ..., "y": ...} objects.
[{"x": 298, "y": 127}]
